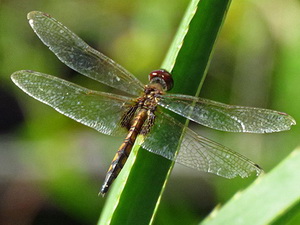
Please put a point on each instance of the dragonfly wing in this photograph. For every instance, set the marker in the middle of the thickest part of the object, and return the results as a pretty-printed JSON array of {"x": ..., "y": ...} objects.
[
  {"x": 224, "y": 117},
  {"x": 195, "y": 151},
  {"x": 205, "y": 155},
  {"x": 99, "y": 110},
  {"x": 78, "y": 55},
  {"x": 164, "y": 136}
]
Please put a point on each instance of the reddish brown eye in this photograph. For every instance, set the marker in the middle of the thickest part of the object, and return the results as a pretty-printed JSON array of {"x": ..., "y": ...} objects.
[{"x": 162, "y": 77}]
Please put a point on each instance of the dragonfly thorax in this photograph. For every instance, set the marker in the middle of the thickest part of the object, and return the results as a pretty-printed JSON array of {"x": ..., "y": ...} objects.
[
  {"x": 151, "y": 96},
  {"x": 162, "y": 77}
]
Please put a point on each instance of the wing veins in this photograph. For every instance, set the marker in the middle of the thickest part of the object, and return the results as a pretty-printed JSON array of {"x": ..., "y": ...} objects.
[
  {"x": 99, "y": 110},
  {"x": 68, "y": 47},
  {"x": 224, "y": 117}
]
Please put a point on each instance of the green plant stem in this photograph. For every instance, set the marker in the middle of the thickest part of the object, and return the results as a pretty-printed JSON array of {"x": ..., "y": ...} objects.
[
  {"x": 267, "y": 200},
  {"x": 137, "y": 191}
]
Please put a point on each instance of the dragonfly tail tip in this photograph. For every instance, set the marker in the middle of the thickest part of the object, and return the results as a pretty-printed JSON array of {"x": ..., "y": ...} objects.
[{"x": 101, "y": 194}]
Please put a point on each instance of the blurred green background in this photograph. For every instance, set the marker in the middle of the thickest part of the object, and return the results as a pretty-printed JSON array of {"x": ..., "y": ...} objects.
[{"x": 51, "y": 168}]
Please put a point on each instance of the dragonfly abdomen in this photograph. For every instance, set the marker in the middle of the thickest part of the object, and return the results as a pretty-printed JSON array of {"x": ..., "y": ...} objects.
[{"x": 123, "y": 152}]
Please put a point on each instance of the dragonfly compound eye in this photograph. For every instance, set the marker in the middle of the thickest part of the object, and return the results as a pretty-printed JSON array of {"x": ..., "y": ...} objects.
[{"x": 162, "y": 77}]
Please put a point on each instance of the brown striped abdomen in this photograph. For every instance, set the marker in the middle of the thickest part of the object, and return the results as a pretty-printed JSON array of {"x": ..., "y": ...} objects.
[{"x": 124, "y": 150}]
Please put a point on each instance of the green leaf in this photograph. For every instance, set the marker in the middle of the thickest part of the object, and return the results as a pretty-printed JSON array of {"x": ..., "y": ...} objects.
[
  {"x": 266, "y": 200},
  {"x": 135, "y": 195}
]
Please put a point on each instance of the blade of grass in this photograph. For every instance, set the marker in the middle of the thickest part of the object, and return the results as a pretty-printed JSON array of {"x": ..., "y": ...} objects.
[
  {"x": 266, "y": 200},
  {"x": 136, "y": 193},
  {"x": 290, "y": 216}
]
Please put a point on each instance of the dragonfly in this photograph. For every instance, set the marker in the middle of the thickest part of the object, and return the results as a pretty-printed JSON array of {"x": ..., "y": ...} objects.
[{"x": 140, "y": 113}]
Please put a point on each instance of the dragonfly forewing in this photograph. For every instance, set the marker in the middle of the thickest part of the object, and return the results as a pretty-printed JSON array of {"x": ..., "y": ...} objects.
[
  {"x": 195, "y": 151},
  {"x": 78, "y": 55},
  {"x": 224, "y": 117},
  {"x": 98, "y": 110}
]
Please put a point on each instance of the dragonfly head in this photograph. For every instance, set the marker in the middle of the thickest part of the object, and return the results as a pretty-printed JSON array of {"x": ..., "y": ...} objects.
[{"x": 162, "y": 77}]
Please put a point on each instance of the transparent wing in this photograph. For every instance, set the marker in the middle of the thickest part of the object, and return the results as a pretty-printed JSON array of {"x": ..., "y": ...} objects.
[
  {"x": 224, "y": 117},
  {"x": 205, "y": 155},
  {"x": 98, "y": 110},
  {"x": 195, "y": 151},
  {"x": 164, "y": 136},
  {"x": 76, "y": 54}
]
